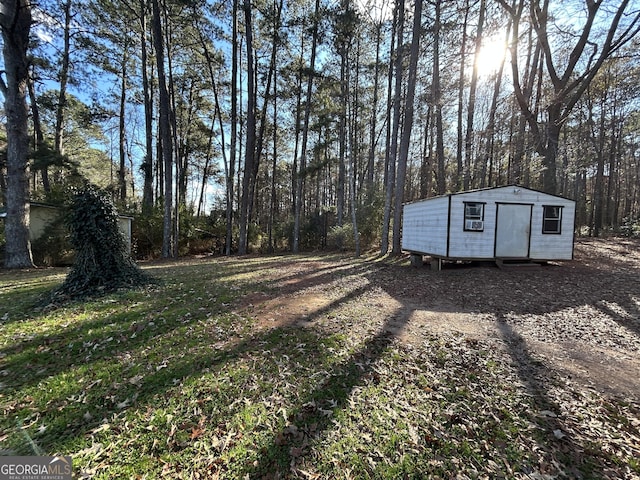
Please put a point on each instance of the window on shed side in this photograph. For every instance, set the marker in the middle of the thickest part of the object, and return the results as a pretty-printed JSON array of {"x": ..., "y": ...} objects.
[
  {"x": 474, "y": 216},
  {"x": 551, "y": 219}
]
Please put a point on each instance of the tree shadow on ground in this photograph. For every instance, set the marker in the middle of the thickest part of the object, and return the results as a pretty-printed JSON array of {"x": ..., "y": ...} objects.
[
  {"x": 114, "y": 339},
  {"x": 275, "y": 458},
  {"x": 608, "y": 285},
  {"x": 50, "y": 354},
  {"x": 556, "y": 437},
  {"x": 554, "y": 442},
  {"x": 276, "y": 454}
]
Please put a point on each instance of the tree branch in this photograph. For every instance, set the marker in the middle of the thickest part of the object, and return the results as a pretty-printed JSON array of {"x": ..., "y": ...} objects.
[
  {"x": 579, "y": 86},
  {"x": 576, "y": 53},
  {"x": 539, "y": 19},
  {"x": 521, "y": 97}
]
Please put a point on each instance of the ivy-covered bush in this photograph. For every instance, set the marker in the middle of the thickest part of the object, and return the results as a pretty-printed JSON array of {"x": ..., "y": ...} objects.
[{"x": 102, "y": 263}]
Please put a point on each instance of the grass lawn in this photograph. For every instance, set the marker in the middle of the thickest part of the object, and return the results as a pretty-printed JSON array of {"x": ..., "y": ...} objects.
[{"x": 194, "y": 378}]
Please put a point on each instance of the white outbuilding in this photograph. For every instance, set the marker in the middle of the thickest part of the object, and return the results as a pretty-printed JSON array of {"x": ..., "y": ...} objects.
[{"x": 502, "y": 224}]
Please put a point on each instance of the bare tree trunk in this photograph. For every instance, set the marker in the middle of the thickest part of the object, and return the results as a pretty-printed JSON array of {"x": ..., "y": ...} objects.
[
  {"x": 491, "y": 124},
  {"x": 344, "y": 34},
  {"x": 166, "y": 140},
  {"x": 612, "y": 154},
  {"x": 253, "y": 183},
  {"x": 370, "y": 188},
  {"x": 179, "y": 169},
  {"x": 122, "y": 170},
  {"x": 277, "y": 9},
  {"x": 613, "y": 205},
  {"x": 295, "y": 170},
  {"x": 182, "y": 140},
  {"x": 427, "y": 155},
  {"x": 250, "y": 148},
  {"x": 64, "y": 79},
  {"x": 147, "y": 164},
  {"x": 597, "y": 137},
  {"x": 437, "y": 100},
  {"x": 461, "y": 80},
  {"x": 305, "y": 134},
  {"x": 598, "y": 200},
  {"x": 407, "y": 126},
  {"x": 38, "y": 134},
  {"x": 342, "y": 139},
  {"x": 15, "y": 22},
  {"x": 389, "y": 105},
  {"x": 519, "y": 171},
  {"x": 228, "y": 169},
  {"x": 468, "y": 139},
  {"x": 351, "y": 123},
  {"x": 3, "y": 183},
  {"x": 354, "y": 205},
  {"x": 205, "y": 170},
  {"x": 234, "y": 132},
  {"x": 393, "y": 146},
  {"x": 274, "y": 169}
]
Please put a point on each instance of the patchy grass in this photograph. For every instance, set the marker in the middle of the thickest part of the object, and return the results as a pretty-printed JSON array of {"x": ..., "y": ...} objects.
[{"x": 189, "y": 379}]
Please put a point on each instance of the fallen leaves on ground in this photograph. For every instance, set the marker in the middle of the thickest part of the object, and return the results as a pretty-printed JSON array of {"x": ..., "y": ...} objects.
[{"x": 360, "y": 369}]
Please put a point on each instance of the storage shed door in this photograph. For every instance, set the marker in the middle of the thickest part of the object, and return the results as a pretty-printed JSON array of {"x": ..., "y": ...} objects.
[{"x": 513, "y": 230}]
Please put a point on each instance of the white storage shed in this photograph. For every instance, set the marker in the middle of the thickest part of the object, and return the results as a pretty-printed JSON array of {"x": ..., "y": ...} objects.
[
  {"x": 41, "y": 215},
  {"x": 501, "y": 223}
]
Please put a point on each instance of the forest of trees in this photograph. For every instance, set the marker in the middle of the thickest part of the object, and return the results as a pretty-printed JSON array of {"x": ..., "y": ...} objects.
[{"x": 300, "y": 124}]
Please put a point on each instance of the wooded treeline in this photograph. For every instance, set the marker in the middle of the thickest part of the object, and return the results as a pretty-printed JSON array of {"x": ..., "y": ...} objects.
[{"x": 299, "y": 124}]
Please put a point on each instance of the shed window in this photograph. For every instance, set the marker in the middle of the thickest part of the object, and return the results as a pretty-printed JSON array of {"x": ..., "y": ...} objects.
[
  {"x": 474, "y": 216},
  {"x": 551, "y": 219}
]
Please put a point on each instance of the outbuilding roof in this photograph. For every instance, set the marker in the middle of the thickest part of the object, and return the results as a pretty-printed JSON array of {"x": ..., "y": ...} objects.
[{"x": 511, "y": 185}]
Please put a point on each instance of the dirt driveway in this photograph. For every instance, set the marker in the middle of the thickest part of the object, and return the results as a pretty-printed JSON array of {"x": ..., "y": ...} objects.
[{"x": 578, "y": 320}]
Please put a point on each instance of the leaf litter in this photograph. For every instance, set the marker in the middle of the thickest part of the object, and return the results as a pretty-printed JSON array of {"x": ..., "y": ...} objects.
[{"x": 386, "y": 372}]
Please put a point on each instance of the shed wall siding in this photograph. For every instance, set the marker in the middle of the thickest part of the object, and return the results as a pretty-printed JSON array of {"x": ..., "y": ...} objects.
[
  {"x": 42, "y": 216},
  {"x": 471, "y": 244},
  {"x": 39, "y": 218},
  {"x": 424, "y": 226},
  {"x": 550, "y": 246}
]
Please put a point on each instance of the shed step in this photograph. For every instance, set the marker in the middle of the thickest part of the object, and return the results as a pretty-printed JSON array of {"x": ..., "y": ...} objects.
[{"x": 503, "y": 263}]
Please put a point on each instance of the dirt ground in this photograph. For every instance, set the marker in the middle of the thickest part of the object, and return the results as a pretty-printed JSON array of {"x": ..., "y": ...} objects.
[{"x": 578, "y": 320}]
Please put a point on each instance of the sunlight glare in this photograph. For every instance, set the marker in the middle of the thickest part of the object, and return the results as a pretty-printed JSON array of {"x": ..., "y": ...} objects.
[{"x": 492, "y": 54}]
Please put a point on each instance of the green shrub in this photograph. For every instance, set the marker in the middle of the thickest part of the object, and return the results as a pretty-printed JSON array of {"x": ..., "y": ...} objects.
[
  {"x": 370, "y": 222},
  {"x": 630, "y": 227},
  {"x": 147, "y": 233},
  {"x": 341, "y": 237},
  {"x": 314, "y": 233},
  {"x": 202, "y": 235},
  {"x": 196, "y": 235}
]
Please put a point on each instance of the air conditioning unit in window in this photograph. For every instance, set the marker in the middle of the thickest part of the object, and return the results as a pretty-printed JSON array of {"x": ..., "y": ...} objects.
[{"x": 477, "y": 225}]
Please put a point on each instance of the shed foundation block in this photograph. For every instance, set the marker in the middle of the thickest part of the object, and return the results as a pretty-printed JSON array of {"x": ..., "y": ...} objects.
[
  {"x": 416, "y": 260},
  {"x": 436, "y": 264}
]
